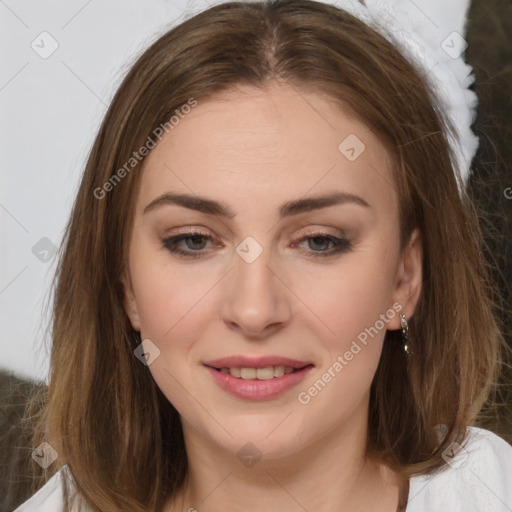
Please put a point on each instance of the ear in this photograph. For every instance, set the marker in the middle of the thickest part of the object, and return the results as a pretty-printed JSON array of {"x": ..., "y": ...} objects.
[
  {"x": 408, "y": 279},
  {"x": 129, "y": 303}
]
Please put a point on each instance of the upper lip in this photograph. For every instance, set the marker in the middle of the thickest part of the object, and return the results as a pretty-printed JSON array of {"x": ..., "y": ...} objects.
[{"x": 255, "y": 362}]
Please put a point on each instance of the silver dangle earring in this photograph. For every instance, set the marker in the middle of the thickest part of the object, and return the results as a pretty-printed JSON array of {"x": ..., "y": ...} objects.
[{"x": 405, "y": 334}]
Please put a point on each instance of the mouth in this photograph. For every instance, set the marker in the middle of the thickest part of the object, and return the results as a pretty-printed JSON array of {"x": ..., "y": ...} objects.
[{"x": 260, "y": 378}]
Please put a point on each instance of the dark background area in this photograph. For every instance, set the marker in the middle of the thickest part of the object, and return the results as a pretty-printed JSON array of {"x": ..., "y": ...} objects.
[{"x": 489, "y": 35}]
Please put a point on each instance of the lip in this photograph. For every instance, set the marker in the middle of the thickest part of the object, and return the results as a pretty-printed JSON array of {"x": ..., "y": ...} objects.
[{"x": 255, "y": 389}]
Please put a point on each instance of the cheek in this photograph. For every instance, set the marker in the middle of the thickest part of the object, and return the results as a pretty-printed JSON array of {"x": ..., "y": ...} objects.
[
  {"x": 354, "y": 307},
  {"x": 170, "y": 304},
  {"x": 167, "y": 294},
  {"x": 353, "y": 302}
]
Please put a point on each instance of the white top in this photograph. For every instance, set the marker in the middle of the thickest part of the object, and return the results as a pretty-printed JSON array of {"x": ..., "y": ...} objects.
[{"x": 477, "y": 478}]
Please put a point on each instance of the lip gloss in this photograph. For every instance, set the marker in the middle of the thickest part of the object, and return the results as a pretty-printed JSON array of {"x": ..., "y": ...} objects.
[{"x": 255, "y": 389}]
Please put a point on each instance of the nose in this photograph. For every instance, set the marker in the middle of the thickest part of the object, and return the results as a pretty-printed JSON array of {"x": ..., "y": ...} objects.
[{"x": 255, "y": 298}]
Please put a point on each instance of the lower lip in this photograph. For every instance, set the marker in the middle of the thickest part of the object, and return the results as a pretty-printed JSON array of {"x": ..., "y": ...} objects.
[{"x": 254, "y": 389}]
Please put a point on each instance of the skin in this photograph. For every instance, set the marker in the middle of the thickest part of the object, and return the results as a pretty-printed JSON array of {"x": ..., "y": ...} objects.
[{"x": 255, "y": 150}]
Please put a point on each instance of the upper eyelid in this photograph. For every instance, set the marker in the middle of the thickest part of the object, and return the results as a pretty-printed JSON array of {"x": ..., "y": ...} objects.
[
  {"x": 301, "y": 236},
  {"x": 302, "y": 232}
]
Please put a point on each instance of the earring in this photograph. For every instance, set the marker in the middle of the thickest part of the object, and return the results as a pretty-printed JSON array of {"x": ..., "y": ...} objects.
[{"x": 405, "y": 334}]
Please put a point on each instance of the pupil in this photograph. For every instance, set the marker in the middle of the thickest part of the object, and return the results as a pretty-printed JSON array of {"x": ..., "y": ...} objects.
[
  {"x": 195, "y": 239},
  {"x": 316, "y": 238}
]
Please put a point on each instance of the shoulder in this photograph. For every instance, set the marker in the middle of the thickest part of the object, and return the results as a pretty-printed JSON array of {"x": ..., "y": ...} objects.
[
  {"x": 477, "y": 476},
  {"x": 50, "y": 498}
]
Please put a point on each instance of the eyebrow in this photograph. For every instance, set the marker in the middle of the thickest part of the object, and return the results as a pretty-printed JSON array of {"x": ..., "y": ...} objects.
[{"x": 220, "y": 209}]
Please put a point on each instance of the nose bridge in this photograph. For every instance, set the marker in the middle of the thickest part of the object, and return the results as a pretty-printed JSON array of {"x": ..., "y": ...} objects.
[{"x": 252, "y": 268}]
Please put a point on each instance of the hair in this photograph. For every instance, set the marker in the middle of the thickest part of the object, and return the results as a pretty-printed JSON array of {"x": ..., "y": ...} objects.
[{"x": 101, "y": 399}]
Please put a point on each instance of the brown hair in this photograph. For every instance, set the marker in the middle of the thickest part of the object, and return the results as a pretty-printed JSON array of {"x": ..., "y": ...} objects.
[{"x": 101, "y": 399}]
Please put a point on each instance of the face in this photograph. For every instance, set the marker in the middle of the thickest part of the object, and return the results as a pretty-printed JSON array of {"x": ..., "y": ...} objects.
[{"x": 264, "y": 275}]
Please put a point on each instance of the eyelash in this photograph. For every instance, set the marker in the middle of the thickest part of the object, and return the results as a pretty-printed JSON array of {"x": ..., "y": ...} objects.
[{"x": 341, "y": 245}]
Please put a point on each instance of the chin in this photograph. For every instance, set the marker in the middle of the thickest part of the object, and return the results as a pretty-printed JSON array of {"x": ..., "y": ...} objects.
[{"x": 269, "y": 436}]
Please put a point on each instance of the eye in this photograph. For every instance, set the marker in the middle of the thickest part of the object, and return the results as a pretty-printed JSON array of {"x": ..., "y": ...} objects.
[
  {"x": 195, "y": 248},
  {"x": 319, "y": 240}
]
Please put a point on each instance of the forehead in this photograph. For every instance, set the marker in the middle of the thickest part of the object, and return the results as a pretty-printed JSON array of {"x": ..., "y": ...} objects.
[{"x": 250, "y": 147}]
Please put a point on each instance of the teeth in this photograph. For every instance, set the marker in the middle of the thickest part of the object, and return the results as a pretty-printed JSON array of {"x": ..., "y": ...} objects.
[
  {"x": 278, "y": 371},
  {"x": 267, "y": 373},
  {"x": 235, "y": 372},
  {"x": 248, "y": 373}
]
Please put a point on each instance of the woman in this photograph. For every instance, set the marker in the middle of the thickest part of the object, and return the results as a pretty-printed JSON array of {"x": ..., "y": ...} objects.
[{"x": 271, "y": 294}]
